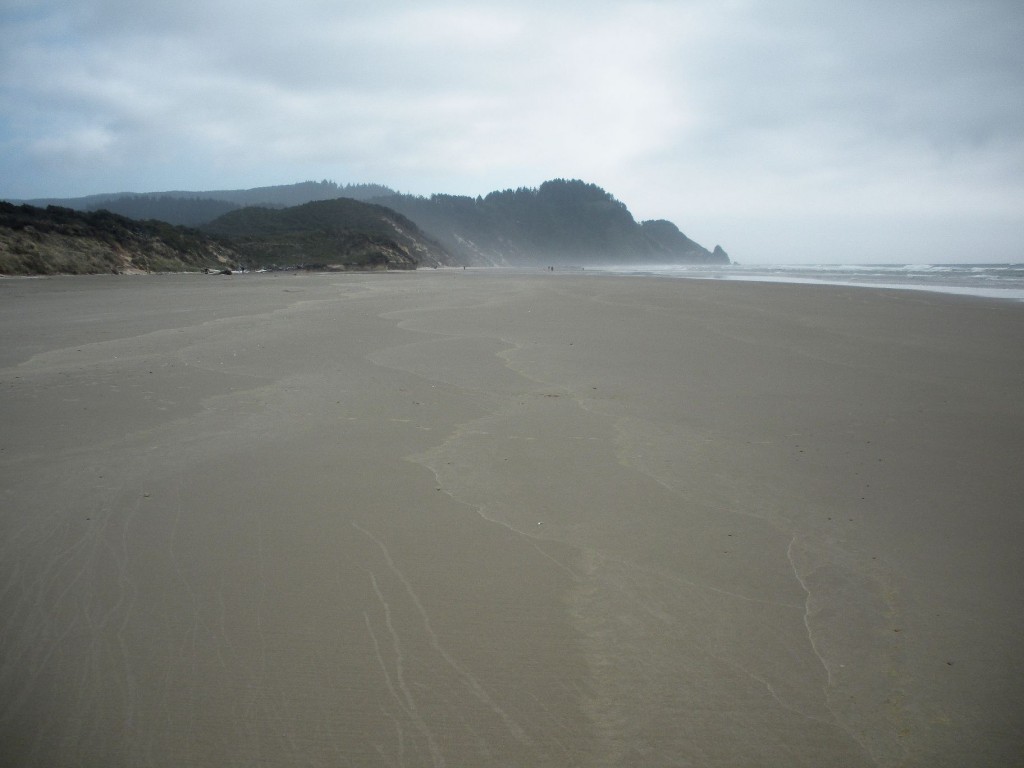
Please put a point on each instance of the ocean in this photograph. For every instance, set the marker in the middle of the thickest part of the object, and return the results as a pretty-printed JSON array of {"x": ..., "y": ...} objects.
[{"x": 996, "y": 281}]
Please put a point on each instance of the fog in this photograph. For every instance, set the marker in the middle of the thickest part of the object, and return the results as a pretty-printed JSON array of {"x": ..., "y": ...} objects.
[{"x": 785, "y": 131}]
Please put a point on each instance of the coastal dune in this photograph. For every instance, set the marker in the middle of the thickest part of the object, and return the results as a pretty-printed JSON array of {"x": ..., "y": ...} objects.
[{"x": 485, "y": 518}]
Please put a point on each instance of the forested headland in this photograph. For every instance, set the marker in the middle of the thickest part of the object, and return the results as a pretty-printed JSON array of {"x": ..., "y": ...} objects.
[{"x": 329, "y": 226}]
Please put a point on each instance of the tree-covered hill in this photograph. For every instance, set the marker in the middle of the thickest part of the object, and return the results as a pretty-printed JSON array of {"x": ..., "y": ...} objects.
[
  {"x": 37, "y": 241},
  {"x": 332, "y": 234},
  {"x": 184, "y": 211},
  {"x": 562, "y": 221},
  {"x": 335, "y": 233},
  {"x": 191, "y": 209}
]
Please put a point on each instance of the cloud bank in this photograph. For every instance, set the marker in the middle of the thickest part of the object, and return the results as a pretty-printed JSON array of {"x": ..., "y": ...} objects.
[{"x": 787, "y": 131}]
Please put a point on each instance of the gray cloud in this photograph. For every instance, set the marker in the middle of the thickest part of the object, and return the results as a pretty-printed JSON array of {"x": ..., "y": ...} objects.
[{"x": 797, "y": 118}]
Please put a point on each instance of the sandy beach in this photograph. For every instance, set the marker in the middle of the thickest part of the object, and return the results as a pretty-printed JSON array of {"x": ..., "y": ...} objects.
[{"x": 453, "y": 518}]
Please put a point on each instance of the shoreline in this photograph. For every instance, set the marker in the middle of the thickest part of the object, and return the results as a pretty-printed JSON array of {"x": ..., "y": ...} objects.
[
  {"x": 480, "y": 518},
  {"x": 943, "y": 278},
  {"x": 1011, "y": 294}
]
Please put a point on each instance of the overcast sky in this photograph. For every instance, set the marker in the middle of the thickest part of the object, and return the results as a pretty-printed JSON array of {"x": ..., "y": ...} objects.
[{"x": 784, "y": 130}]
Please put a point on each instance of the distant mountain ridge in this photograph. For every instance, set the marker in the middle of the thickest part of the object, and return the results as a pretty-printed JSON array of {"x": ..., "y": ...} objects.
[
  {"x": 191, "y": 209},
  {"x": 560, "y": 222}
]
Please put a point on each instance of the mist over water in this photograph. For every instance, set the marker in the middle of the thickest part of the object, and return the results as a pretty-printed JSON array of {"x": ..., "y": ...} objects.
[{"x": 1002, "y": 281}]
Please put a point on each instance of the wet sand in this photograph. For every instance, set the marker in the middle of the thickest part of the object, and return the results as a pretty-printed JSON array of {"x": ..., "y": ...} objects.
[{"x": 467, "y": 518}]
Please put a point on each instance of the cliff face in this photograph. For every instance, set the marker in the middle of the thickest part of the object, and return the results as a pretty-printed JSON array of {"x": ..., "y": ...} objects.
[{"x": 36, "y": 241}]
